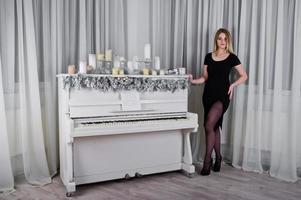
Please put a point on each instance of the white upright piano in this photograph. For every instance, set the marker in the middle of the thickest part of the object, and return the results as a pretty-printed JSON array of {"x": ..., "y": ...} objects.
[{"x": 114, "y": 127}]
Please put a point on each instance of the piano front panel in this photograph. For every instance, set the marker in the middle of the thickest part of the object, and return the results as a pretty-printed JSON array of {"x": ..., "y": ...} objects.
[{"x": 129, "y": 153}]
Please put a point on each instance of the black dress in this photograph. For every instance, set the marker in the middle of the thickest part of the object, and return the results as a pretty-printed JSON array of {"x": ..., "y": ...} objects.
[{"x": 217, "y": 84}]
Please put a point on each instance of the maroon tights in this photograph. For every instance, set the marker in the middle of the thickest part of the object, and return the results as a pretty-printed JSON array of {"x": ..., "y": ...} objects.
[{"x": 213, "y": 136}]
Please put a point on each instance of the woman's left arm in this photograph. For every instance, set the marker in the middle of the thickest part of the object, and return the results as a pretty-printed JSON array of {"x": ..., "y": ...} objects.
[{"x": 242, "y": 78}]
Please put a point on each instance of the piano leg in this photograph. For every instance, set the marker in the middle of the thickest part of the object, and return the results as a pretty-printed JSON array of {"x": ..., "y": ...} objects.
[
  {"x": 187, "y": 166},
  {"x": 70, "y": 184}
]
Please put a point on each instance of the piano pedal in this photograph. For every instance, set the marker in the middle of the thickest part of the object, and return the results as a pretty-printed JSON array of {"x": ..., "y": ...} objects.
[
  {"x": 127, "y": 177},
  {"x": 189, "y": 175},
  {"x": 69, "y": 194},
  {"x": 138, "y": 175}
]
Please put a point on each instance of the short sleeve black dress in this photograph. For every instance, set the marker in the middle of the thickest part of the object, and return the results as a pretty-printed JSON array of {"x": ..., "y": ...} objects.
[{"x": 217, "y": 84}]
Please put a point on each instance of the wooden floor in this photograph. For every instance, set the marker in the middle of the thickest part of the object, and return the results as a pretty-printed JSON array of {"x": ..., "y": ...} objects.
[{"x": 230, "y": 183}]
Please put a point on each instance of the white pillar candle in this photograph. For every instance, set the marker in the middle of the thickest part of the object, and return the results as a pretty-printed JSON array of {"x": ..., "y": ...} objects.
[
  {"x": 145, "y": 71},
  {"x": 83, "y": 67},
  {"x": 135, "y": 65},
  {"x": 115, "y": 71},
  {"x": 92, "y": 60},
  {"x": 130, "y": 67},
  {"x": 157, "y": 63},
  {"x": 100, "y": 56},
  {"x": 108, "y": 55},
  {"x": 121, "y": 71},
  {"x": 154, "y": 72},
  {"x": 116, "y": 62},
  {"x": 147, "y": 51}
]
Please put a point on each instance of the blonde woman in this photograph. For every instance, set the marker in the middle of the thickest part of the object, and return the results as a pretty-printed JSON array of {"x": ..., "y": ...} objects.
[{"x": 217, "y": 93}]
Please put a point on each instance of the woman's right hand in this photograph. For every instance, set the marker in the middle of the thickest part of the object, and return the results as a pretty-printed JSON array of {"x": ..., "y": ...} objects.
[{"x": 190, "y": 77}]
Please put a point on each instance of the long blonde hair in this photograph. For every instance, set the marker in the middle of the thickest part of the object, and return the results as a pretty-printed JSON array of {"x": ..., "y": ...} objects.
[{"x": 229, "y": 47}]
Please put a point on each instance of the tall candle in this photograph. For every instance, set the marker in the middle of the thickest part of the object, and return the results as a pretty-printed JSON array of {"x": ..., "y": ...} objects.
[
  {"x": 92, "y": 60},
  {"x": 109, "y": 55},
  {"x": 157, "y": 63},
  {"x": 130, "y": 67},
  {"x": 147, "y": 51},
  {"x": 135, "y": 65},
  {"x": 100, "y": 56},
  {"x": 82, "y": 67},
  {"x": 116, "y": 61}
]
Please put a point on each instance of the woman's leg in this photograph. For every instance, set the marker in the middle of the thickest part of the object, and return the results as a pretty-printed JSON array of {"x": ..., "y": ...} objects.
[
  {"x": 217, "y": 144},
  {"x": 217, "y": 147},
  {"x": 213, "y": 116}
]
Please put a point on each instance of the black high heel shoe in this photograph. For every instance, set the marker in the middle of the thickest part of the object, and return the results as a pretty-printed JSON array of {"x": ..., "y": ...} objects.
[
  {"x": 206, "y": 171},
  {"x": 217, "y": 164}
]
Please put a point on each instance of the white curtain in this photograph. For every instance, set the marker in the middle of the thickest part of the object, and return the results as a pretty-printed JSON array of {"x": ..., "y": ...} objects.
[
  {"x": 261, "y": 129},
  {"x": 38, "y": 39},
  {"x": 21, "y": 111},
  {"x": 7, "y": 181},
  {"x": 264, "y": 126}
]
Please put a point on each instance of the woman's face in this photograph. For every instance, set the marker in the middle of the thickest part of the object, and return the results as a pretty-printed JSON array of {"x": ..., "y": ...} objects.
[{"x": 221, "y": 41}]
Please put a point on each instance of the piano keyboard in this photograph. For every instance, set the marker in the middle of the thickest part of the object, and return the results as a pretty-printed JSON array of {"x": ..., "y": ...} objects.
[
  {"x": 100, "y": 127},
  {"x": 121, "y": 122},
  {"x": 124, "y": 116}
]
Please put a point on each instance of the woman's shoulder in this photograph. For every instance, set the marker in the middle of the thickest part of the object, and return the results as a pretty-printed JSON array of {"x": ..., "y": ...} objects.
[
  {"x": 208, "y": 55},
  {"x": 208, "y": 59},
  {"x": 233, "y": 55},
  {"x": 234, "y": 59}
]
